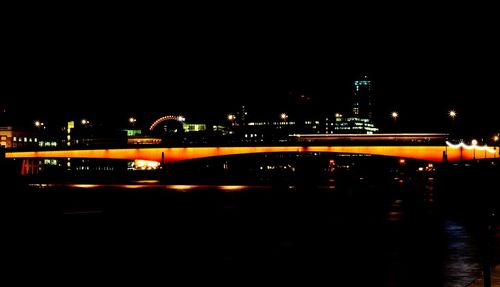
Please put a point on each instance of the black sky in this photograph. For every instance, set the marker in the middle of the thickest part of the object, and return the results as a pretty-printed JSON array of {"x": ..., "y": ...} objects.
[{"x": 206, "y": 61}]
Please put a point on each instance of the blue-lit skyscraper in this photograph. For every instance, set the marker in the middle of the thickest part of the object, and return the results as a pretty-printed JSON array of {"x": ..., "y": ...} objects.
[
  {"x": 362, "y": 103},
  {"x": 361, "y": 120}
]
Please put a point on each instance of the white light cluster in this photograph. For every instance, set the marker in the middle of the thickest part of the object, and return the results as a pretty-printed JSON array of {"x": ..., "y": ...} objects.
[{"x": 469, "y": 147}]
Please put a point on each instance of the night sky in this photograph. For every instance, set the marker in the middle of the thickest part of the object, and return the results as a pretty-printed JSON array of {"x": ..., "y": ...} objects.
[{"x": 423, "y": 61}]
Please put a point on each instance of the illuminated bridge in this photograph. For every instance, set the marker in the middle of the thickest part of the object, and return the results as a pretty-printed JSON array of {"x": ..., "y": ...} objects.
[{"x": 411, "y": 146}]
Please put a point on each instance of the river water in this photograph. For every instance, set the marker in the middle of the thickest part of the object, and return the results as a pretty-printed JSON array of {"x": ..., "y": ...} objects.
[{"x": 334, "y": 234}]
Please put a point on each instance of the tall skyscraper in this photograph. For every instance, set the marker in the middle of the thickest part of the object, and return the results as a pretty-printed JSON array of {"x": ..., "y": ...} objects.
[
  {"x": 361, "y": 120},
  {"x": 362, "y": 102}
]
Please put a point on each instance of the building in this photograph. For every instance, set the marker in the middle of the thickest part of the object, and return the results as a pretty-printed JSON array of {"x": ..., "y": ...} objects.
[
  {"x": 14, "y": 138},
  {"x": 85, "y": 134},
  {"x": 277, "y": 131},
  {"x": 362, "y": 98},
  {"x": 361, "y": 119},
  {"x": 354, "y": 125},
  {"x": 139, "y": 137}
]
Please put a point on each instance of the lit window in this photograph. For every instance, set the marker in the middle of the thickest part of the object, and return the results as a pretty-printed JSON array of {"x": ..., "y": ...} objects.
[{"x": 14, "y": 138}]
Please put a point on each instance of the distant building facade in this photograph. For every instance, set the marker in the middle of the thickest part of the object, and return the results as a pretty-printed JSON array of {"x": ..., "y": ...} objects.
[{"x": 14, "y": 138}]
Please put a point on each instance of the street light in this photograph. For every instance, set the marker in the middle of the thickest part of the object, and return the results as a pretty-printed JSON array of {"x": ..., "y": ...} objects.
[
  {"x": 85, "y": 122},
  {"x": 232, "y": 119},
  {"x": 452, "y": 114},
  {"x": 284, "y": 116},
  {"x": 40, "y": 124},
  {"x": 132, "y": 120},
  {"x": 394, "y": 116}
]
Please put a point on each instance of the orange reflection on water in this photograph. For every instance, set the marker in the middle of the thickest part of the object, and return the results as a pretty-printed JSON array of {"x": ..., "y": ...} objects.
[
  {"x": 133, "y": 186},
  {"x": 82, "y": 185},
  {"x": 231, "y": 188},
  {"x": 147, "y": 181},
  {"x": 181, "y": 187}
]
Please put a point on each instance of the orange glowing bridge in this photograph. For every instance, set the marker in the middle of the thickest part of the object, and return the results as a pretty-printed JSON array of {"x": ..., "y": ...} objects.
[{"x": 307, "y": 143}]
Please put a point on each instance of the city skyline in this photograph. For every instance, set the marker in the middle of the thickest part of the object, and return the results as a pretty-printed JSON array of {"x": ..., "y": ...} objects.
[
  {"x": 351, "y": 143},
  {"x": 432, "y": 62},
  {"x": 296, "y": 102}
]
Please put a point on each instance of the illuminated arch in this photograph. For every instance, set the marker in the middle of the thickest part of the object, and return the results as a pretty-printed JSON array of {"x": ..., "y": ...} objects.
[{"x": 166, "y": 118}]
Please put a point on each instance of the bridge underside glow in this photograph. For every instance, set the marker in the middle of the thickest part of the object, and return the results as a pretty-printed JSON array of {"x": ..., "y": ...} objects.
[{"x": 428, "y": 153}]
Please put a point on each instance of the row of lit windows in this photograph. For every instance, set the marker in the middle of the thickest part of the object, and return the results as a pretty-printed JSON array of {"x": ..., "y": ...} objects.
[
  {"x": 194, "y": 127},
  {"x": 94, "y": 168},
  {"x": 273, "y": 123},
  {"x": 358, "y": 120},
  {"x": 50, "y": 161},
  {"x": 47, "y": 144},
  {"x": 361, "y": 83},
  {"x": 23, "y": 139}
]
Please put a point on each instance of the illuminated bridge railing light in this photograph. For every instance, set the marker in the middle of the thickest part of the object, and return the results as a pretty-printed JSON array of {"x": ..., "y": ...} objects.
[{"x": 471, "y": 147}]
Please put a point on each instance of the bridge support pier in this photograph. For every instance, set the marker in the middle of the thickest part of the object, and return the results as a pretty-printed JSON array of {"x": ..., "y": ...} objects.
[{"x": 162, "y": 160}]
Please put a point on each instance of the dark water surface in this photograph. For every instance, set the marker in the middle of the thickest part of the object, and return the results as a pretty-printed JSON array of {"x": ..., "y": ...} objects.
[{"x": 355, "y": 235}]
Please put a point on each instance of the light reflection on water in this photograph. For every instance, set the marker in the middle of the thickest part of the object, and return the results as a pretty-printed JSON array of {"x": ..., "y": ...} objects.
[
  {"x": 151, "y": 184},
  {"x": 460, "y": 264}
]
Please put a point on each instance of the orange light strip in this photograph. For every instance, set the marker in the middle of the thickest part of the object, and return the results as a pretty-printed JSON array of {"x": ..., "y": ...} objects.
[{"x": 429, "y": 153}]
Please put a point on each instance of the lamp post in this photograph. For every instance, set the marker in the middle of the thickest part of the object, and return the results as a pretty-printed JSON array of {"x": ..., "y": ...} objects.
[
  {"x": 495, "y": 141},
  {"x": 394, "y": 116},
  {"x": 452, "y": 114},
  {"x": 474, "y": 144}
]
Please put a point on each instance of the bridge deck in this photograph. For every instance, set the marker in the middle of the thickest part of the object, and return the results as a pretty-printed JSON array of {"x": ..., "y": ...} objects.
[{"x": 429, "y": 153}]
